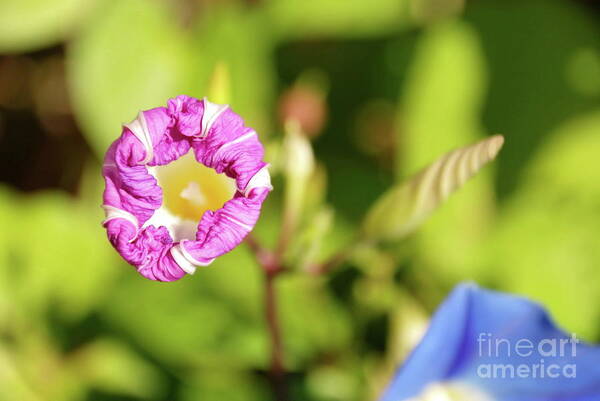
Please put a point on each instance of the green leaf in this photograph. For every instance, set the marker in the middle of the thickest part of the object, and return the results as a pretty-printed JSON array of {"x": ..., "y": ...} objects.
[
  {"x": 306, "y": 250},
  {"x": 346, "y": 18},
  {"x": 312, "y": 321},
  {"x": 27, "y": 25},
  {"x": 131, "y": 57},
  {"x": 232, "y": 385},
  {"x": 568, "y": 160},
  {"x": 213, "y": 318},
  {"x": 61, "y": 254},
  {"x": 334, "y": 383},
  {"x": 7, "y": 238},
  {"x": 111, "y": 366},
  {"x": 545, "y": 243},
  {"x": 442, "y": 99},
  {"x": 404, "y": 207},
  {"x": 441, "y": 109},
  {"x": 14, "y": 385},
  {"x": 24, "y": 352},
  {"x": 232, "y": 35}
]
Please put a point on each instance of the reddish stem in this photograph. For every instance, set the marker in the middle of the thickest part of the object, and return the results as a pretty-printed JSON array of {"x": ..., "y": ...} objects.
[
  {"x": 271, "y": 266},
  {"x": 277, "y": 371}
]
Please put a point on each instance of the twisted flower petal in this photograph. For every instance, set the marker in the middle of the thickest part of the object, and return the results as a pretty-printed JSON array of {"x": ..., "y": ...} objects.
[
  {"x": 132, "y": 195},
  {"x": 485, "y": 345}
]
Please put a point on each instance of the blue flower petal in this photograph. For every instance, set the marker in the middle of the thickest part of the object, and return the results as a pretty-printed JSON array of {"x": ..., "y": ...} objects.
[{"x": 506, "y": 346}]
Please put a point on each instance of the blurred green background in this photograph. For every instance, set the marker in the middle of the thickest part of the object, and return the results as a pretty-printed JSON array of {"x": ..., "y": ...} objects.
[{"x": 382, "y": 87}]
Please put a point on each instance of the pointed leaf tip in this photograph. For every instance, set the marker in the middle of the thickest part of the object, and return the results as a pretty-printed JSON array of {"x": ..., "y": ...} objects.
[
  {"x": 495, "y": 144},
  {"x": 405, "y": 206}
]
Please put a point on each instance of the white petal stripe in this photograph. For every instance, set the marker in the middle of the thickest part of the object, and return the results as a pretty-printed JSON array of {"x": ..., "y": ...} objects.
[
  {"x": 262, "y": 179},
  {"x": 239, "y": 139},
  {"x": 212, "y": 111},
  {"x": 236, "y": 221},
  {"x": 181, "y": 260},
  {"x": 112, "y": 213},
  {"x": 185, "y": 260},
  {"x": 139, "y": 128}
]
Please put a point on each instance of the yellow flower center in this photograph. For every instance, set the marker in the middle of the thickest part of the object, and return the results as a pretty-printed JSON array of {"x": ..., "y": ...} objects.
[{"x": 190, "y": 188}]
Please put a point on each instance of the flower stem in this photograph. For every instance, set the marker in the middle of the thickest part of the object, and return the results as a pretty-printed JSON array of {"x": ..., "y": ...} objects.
[
  {"x": 277, "y": 371},
  {"x": 271, "y": 266}
]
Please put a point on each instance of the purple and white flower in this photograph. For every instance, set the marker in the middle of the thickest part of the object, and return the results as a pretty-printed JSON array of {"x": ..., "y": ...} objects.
[{"x": 149, "y": 236}]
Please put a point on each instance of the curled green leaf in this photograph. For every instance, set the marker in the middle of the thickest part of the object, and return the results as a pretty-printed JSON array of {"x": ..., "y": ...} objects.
[{"x": 404, "y": 207}]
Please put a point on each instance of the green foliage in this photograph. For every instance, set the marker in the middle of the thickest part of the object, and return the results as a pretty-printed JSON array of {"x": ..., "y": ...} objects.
[
  {"x": 77, "y": 323},
  {"x": 58, "y": 255},
  {"x": 114, "y": 367},
  {"x": 440, "y": 109},
  {"x": 544, "y": 243},
  {"x": 27, "y": 25},
  {"x": 442, "y": 99},
  {"x": 347, "y": 18},
  {"x": 217, "y": 385},
  {"x": 242, "y": 41},
  {"x": 313, "y": 322},
  {"x": 228, "y": 310},
  {"x": 405, "y": 206},
  {"x": 111, "y": 84},
  {"x": 55, "y": 267}
]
